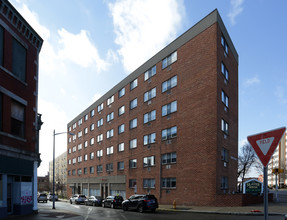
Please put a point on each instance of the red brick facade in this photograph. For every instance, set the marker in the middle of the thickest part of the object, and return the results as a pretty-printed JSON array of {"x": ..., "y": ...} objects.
[{"x": 199, "y": 139}]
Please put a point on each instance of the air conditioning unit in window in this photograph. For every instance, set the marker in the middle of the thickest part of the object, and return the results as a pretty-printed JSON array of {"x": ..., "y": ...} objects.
[
  {"x": 168, "y": 68},
  {"x": 149, "y": 102},
  {"x": 149, "y": 81},
  {"x": 110, "y": 106},
  {"x": 168, "y": 166},
  {"x": 225, "y": 164},
  {"x": 168, "y": 142}
]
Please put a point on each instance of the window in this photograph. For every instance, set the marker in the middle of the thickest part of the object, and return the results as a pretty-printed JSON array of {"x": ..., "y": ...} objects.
[
  {"x": 92, "y": 141},
  {"x": 110, "y": 133},
  {"x": 133, "y": 84},
  {"x": 79, "y": 159},
  {"x": 110, "y": 100},
  {"x": 224, "y": 98},
  {"x": 110, "y": 150},
  {"x": 92, "y": 127},
  {"x": 169, "y": 133},
  {"x": 133, "y": 103},
  {"x": 133, "y": 123},
  {"x": 86, "y": 144},
  {"x": 100, "y": 107},
  {"x": 224, "y": 126},
  {"x": 80, "y": 121},
  {"x": 92, "y": 155},
  {"x": 100, "y": 122},
  {"x": 169, "y": 108},
  {"x": 121, "y": 110},
  {"x": 224, "y": 71},
  {"x": 122, "y": 92},
  {"x": 100, "y": 168},
  {"x": 92, "y": 113},
  {"x": 74, "y": 149},
  {"x": 149, "y": 139},
  {"x": 132, "y": 183},
  {"x": 69, "y": 162},
  {"x": 74, "y": 160},
  {"x": 167, "y": 85},
  {"x": 86, "y": 117},
  {"x": 150, "y": 116},
  {"x": 1, "y": 102},
  {"x": 168, "y": 158},
  {"x": 17, "y": 119},
  {"x": 133, "y": 163},
  {"x": 85, "y": 170},
  {"x": 80, "y": 147},
  {"x": 121, "y": 147},
  {"x": 169, "y": 60},
  {"x": 1, "y": 45},
  {"x": 86, "y": 157},
  {"x": 133, "y": 143},
  {"x": 150, "y": 73},
  {"x": 99, "y": 153},
  {"x": 86, "y": 131},
  {"x": 225, "y": 45},
  {"x": 122, "y": 128},
  {"x": 168, "y": 183},
  {"x": 19, "y": 60},
  {"x": 110, "y": 116},
  {"x": 73, "y": 172},
  {"x": 148, "y": 183},
  {"x": 70, "y": 150},
  {"x": 224, "y": 154},
  {"x": 150, "y": 94},
  {"x": 121, "y": 165},
  {"x": 74, "y": 125},
  {"x": 92, "y": 169},
  {"x": 224, "y": 182},
  {"x": 109, "y": 167},
  {"x": 148, "y": 161},
  {"x": 80, "y": 133},
  {"x": 100, "y": 138}
]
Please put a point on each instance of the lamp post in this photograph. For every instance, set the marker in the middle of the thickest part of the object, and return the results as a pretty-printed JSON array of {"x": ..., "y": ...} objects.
[{"x": 54, "y": 134}]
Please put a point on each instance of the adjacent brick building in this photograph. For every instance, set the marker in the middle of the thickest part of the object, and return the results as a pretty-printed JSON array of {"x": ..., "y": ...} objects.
[
  {"x": 20, "y": 122},
  {"x": 170, "y": 128}
]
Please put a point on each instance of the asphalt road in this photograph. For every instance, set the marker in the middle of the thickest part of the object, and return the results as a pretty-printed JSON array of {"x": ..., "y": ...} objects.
[{"x": 65, "y": 210}]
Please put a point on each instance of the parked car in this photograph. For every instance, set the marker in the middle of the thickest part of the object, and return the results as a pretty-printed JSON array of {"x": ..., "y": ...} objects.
[
  {"x": 78, "y": 199},
  {"x": 51, "y": 196},
  {"x": 113, "y": 201},
  {"x": 94, "y": 201},
  {"x": 42, "y": 197},
  {"x": 140, "y": 203}
]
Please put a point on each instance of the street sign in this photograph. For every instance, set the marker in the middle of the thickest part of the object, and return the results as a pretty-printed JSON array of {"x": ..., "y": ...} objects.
[{"x": 264, "y": 144}]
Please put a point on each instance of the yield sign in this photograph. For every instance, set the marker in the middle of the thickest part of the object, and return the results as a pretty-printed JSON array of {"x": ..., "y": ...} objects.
[{"x": 265, "y": 143}]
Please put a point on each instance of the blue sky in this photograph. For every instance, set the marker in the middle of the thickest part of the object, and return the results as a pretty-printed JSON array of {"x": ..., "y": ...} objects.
[{"x": 91, "y": 45}]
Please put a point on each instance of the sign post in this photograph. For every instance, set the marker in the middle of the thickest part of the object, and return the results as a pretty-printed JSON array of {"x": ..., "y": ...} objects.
[{"x": 264, "y": 144}]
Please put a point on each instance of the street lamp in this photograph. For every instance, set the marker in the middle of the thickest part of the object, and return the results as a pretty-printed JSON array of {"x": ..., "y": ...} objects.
[{"x": 54, "y": 134}]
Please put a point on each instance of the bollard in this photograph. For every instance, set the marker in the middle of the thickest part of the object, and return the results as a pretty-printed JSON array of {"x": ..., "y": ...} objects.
[{"x": 174, "y": 204}]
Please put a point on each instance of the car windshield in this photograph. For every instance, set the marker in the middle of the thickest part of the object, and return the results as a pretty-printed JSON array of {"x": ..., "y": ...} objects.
[
  {"x": 42, "y": 194},
  {"x": 150, "y": 197},
  {"x": 82, "y": 196}
]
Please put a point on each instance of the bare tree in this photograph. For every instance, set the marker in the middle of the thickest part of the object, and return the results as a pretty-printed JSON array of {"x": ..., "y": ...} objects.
[{"x": 246, "y": 159}]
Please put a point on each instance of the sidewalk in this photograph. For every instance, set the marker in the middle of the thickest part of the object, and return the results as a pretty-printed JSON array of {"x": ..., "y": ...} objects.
[{"x": 257, "y": 209}]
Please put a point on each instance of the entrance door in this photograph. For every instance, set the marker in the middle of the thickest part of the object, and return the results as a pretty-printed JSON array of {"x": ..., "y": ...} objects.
[{"x": 9, "y": 198}]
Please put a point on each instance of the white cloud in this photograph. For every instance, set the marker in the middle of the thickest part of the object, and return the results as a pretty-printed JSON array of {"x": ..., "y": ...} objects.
[
  {"x": 79, "y": 49},
  {"x": 236, "y": 9},
  {"x": 251, "y": 81},
  {"x": 142, "y": 28}
]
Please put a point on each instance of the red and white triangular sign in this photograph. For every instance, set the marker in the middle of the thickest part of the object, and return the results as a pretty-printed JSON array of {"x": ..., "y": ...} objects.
[{"x": 264, "y": 144}]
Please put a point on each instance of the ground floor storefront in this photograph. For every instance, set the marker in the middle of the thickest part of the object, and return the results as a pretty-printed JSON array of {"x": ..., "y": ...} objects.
[{"x": 18, "y": 186}]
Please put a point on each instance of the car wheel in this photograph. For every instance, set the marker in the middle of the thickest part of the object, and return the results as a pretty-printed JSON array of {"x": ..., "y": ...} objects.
[
  {"x": 140, "y": 209},
  {"x": 125, "y": 208}
]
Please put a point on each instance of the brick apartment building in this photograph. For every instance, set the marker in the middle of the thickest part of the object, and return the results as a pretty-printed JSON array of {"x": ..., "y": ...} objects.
[
  {"x": 170, "y": 128},
  {"x": 20, "y": 46}
]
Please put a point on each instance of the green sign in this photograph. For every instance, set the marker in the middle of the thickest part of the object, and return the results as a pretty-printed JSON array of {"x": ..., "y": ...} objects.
[{"x": 253, "y": 187}]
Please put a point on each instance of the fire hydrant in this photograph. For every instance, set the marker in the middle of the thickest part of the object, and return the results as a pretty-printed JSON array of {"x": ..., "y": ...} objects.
[{"x": 174, "y": 204}]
